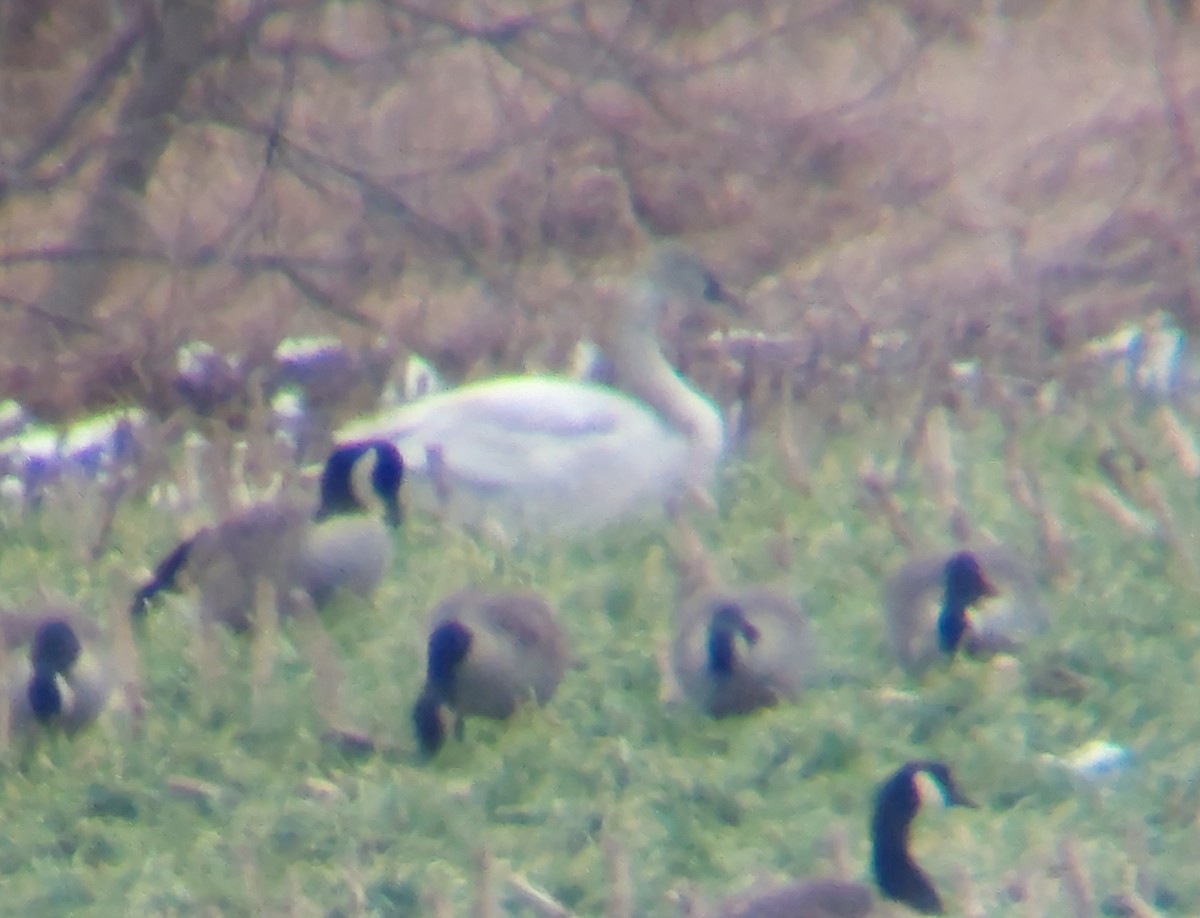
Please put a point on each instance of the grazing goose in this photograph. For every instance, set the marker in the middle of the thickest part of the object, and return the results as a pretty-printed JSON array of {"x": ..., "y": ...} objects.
[
  {"x": 343, "y": 545},
  {"x": 551, "y": 455},
  {"x": 59, "y": 675},
  {"x": 737, "y": 650},
  {"x": 930, "y": 606},
  {"x": 897, "y": 876},
  {"x": 488, "y": 654}
]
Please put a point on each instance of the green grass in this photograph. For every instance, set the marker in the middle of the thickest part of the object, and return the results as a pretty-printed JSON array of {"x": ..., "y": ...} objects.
[{"x": 296, "y": 826}]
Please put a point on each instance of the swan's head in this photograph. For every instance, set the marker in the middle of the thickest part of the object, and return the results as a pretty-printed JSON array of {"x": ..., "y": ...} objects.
[{"x": 674, "y": 273}]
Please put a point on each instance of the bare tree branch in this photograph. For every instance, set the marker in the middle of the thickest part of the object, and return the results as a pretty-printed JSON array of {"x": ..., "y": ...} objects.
[
  {"x": 174, "y": 40},
  {"x": 91, "y": 89}
]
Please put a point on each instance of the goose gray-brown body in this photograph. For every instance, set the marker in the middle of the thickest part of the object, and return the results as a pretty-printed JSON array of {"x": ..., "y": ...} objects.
[
  {"x": 898, "y": 878},
  {"x": 740, "y": 649},
  {"x": 341, "y": 543},
  {"x": 488, "y": 654},
  {"x": 58, "y": 670},
  {"x": 999, "y": 607}
]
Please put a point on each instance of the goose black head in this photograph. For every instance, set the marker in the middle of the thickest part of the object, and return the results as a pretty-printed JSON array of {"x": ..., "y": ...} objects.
[
  {"x": 361, "y": 477},
  {"x": 55, "y": 647},
  {"x": 728, "y": 622},
  {"x": 52, "y": 653},
  {"x": 449, "y": 644},
  {"x": 964, "y": 584},
  {"x": 897, "y": 802}
]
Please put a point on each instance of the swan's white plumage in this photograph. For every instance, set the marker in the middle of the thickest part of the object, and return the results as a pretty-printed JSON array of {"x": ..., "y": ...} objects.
[{"x": 554, "y": 455}]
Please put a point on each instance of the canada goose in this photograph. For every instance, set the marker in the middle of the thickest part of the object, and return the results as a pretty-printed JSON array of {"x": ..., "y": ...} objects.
[
  {"x": 343, "y": 545},
  {"x": 546, "y": 454},
  {"x": 59, "y": 676},
  {"x": 737, "y": 650},
  {"x": 897, "y": 876},
  {"x": 928, "y": 606},
  {"x": 487, "y": 654}
]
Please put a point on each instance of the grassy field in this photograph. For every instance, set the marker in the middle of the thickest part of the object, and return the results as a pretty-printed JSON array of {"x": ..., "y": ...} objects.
[{"x": 230, "y": 803}]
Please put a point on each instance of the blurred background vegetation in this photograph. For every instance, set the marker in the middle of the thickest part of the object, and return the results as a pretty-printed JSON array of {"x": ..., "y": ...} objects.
[{"x": 897, "y": 183}]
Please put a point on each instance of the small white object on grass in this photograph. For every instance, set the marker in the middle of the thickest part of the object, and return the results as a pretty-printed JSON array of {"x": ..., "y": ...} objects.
[{"x": 1095, "y": 760}]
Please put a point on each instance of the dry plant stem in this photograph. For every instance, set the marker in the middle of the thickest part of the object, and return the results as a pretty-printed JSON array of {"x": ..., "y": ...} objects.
[
  {"x": 1182, "y": 544},
  {"x": 747, "y": 390},
  {"x": 620, "y": 888},
  {"x": 5, "y": 708},
  {"x": 193, "y": 789},
  {"x": 838, "y": 846},
  {"x": 670, "y": 692},
  {"x": 210, "y": 671},
  {"x": 266, "y": 634},
  {"x": 1079, "y": 890},
  {"x": 219, "y": 461},
  {"x": 537, "y": 901},
  {"x": 252, "y": 878},
  {"x": 693, "y": 564},
  {"x": 795, "y": 464},
  {"x": 1026, "y": 489},
  {"x": 487, "y": 898},
  {"x": 1161, "y": 32},
  {"x": 439, "y": 904},
  {"x": 1180, "y": 439},
  {"x": 968, "y": 895},
  {"x": 937, "y": 454},
  {"x": 111, "y": 496},
  {"x": 1124, "y": 515},
  {"x": 929, "y": 388},
  {"x": 125, "y": 658},
  {"x": 1135, "y": 906},
  {"x": 352, "y": 877},
  {"x": 1147, "y": 493},
  {"x": 687, "y": 903},
  {"x": 1139, "y": 851},
  {"x": 322, "y": 657},
  {"x": 879, "y": 493}
]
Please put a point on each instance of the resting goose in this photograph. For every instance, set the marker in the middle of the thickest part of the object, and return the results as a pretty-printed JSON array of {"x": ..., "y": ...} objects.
[
  {"x": 932, "y": 606},
  {"x": 897, "y": 876},
  {"x": 488, "y": 654},
  {"x": 342, "y": 544}
]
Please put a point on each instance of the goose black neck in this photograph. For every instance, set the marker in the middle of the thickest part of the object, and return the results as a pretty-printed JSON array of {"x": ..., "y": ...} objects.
[
  {"x": 427, "y": 721},
  {"x": 45, "y": 696},
  {"x": 896, "y": 873},
  {"x": 951, "y": 623},
  {"x": 337, "y": 483},
  {"x": 449, "y": 644},
  {"x": 165, "y": 577},
  {"x": 726, "y": 624}
]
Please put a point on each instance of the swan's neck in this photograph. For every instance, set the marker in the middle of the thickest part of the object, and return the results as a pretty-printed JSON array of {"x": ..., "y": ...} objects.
[{"x": 643, "y": 371}]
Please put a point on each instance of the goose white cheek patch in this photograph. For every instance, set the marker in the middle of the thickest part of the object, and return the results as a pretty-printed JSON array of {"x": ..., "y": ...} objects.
[{"x": 929, "y": 791}]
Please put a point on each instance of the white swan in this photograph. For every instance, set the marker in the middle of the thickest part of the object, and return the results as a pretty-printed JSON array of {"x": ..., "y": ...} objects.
[{"x": 550, "y": 455}]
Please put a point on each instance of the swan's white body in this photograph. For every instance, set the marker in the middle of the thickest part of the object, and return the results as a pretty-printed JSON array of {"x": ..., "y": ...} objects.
[{"x": 551, "y": 455}]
